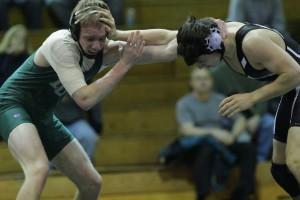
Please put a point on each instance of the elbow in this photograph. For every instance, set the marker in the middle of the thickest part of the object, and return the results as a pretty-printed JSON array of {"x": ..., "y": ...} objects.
[
  {"x": 83, "y": 104},
  {"x": 83, "y": 101}
]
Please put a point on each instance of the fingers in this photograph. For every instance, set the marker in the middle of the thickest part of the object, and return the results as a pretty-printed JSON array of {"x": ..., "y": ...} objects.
[
  {"x": 130, "y": 38},
  {"x": 141, "y": 47},
  {"x": 107, "y": 21},
  {"x": 225, "y": 101},
  {"x": 231, "y": 110},
  {"x": 228, "y": 106}
]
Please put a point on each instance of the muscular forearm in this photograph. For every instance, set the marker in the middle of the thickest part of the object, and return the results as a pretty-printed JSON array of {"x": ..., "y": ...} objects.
[
  {"x": 92, "y": 94},
  {"x": 283, "y": 84},
  {"x": 159, "y": 53},
  {"x": 151, "y": 36}
]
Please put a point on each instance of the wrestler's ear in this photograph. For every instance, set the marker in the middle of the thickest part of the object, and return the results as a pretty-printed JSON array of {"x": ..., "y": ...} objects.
[{"x": 222, "y": 26}]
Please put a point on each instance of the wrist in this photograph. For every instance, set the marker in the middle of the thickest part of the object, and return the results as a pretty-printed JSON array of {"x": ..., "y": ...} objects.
[
  {"x": 254, "y": 97},
  {"x": 124, "y": 64},
  {"x": 115, "y": 35}
]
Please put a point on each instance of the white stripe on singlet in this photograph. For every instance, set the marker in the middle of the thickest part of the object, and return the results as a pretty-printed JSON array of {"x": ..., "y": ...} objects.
[
  {"x": 294, "y": 102},
  {"x": 275, "y": 118},
  {"x": 293, "y": 52}
]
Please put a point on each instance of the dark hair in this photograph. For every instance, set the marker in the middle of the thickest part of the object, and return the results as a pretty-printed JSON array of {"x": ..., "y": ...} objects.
[{"x": 191, "y": 38}]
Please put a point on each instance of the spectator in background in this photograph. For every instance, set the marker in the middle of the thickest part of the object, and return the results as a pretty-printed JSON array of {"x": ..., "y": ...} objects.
[
  {"x": 60, "y": 11},
  {"x": 198, "y": 117},
  {"x": 85, "y": 128},
  {"x": 32, "y": 10},
  {"x": 117, "y": 10},
  {"x": 264, "y": 12},
  {"x": 14, "y": 50}
]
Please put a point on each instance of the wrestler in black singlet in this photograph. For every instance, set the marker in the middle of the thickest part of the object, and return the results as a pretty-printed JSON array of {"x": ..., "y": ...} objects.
[{"x": 288, "y": 111}]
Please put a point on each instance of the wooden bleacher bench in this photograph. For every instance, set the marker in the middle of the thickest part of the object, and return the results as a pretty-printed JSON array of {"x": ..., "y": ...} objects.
[
  {"x": 112, "y": 151},
  {"x": 142, "y": 183}
]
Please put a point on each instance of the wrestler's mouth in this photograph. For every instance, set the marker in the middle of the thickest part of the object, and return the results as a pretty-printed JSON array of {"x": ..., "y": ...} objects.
[{"x": 92, "y": 52}]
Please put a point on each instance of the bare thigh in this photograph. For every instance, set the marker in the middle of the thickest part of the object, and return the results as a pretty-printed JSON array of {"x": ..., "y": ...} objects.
[
  {"x": 26, "y": 147},
  {"x": 293, "y": 144},
  {"x": 279, "y": 151},
  {"x": 75, "y": 164}
]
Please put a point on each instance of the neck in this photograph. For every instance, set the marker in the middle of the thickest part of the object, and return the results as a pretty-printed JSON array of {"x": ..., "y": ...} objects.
[
  {"x": 229, "y": 42},
  {"x": 202, "y": 96}
]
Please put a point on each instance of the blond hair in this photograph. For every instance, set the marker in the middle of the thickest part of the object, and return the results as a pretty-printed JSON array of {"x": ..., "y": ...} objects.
[
  {"x": 8, "y": 36},
  {"x": 87, "y": 11}
]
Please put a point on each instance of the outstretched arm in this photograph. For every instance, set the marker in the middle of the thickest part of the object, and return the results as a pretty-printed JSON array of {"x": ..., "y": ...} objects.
[
  {"x": 151, "y": 36},
  {"x": 151, "y": 54}
]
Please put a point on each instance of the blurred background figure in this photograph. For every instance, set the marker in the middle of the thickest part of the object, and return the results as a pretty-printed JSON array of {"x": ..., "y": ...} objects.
[
  {"x": 60, "y": 11},
  {"x": 86, "y": 127},
  {"x": 210, "y": 135},
  {"x": 264, "y": 12},
  {"x": 14, "y": 50},
  {"x": 117, "y": 10},
  {"x": 32, "y": 10}
]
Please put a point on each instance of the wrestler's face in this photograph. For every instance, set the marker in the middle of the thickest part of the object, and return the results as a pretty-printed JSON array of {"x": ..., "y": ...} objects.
[
  {"x": 92, "y": 38},
  {"x": 209, "y": 60}
]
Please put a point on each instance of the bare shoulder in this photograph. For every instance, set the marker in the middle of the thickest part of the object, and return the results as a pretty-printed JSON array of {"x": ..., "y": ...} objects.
[
  {"x": 260, "y": 40},
  {"x": 257, "y": 44}
]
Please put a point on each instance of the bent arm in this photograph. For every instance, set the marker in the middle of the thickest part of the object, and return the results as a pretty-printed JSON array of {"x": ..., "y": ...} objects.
[
  {"x": 88, "y": 96},
  {"x": 278, "y": 61}
]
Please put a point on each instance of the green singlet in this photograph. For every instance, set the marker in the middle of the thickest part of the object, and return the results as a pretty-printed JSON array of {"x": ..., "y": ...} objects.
[{"x": 30, "y": 96}]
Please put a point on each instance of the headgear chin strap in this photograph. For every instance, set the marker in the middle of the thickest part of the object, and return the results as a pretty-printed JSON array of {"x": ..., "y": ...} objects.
[{"x": 214, "y": 42}]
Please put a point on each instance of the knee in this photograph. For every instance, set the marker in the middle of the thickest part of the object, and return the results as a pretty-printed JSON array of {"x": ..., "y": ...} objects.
[
  {"x": 37, "y": 171},
  {"x": 91, "y": 183},
  {"x": 293, "y": 163}
]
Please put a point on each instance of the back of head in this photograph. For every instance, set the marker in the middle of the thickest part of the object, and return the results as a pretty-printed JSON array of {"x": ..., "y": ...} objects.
[
  {"x": 85, "y": 12},
  {"x": 194, "y": 39}
]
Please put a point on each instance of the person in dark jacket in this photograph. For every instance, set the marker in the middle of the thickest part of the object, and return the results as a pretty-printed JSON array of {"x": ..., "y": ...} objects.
[{"x": 14, "y": 50}]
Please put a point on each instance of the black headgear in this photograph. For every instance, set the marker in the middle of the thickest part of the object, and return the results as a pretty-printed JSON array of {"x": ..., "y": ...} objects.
[{"x": 74, "y": 28}]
